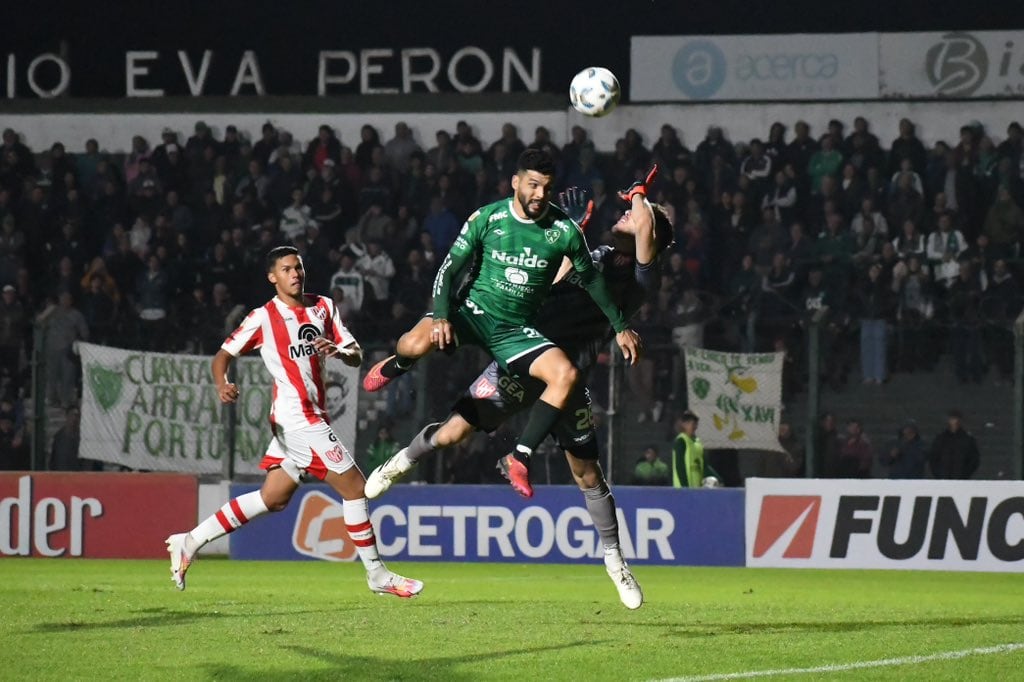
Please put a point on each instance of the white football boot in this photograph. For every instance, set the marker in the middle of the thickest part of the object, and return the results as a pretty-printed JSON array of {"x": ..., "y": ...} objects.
[
  {"x": 629, "y": 589},
  {"x": 386, "y": 582},
  {"x": 381, "y": 478},
  {"x": 180, "y": 558}
]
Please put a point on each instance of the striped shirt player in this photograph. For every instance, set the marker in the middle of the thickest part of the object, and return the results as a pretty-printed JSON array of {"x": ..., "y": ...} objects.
[{"x": 295, "y": 333}]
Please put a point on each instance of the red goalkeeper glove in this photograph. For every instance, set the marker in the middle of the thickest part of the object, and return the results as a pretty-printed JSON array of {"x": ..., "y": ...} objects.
[
  {"x": 575, "y": 203},
  {"x": 638, "y": 187}
]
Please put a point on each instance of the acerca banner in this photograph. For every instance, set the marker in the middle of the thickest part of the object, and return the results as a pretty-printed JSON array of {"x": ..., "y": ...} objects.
[
  {"x": 934, "y": 525},
  {"x": 738, "y": 397},
  {"x": 957, "y": 64},
  {"x": 160, "y": 411},
  {"x": 488, "y": 523},
  {"x": 754, "y": 68},
  {"x": 94, "y": 515}
]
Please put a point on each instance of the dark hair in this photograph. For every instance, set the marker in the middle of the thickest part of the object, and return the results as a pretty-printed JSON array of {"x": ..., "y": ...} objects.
[
  {"x": 533, "y": 159},
  {"x": 279, "y": 252},
  {"x": 664, "y": 235},
  {"x": 688, "y": 416}
]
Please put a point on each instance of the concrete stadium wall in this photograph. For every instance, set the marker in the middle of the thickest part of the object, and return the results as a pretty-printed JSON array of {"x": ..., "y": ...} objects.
[{"x": 935, "y": 121}]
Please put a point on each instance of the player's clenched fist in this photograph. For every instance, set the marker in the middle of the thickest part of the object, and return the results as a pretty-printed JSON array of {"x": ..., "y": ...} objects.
[{"x": 228, "y": 393}]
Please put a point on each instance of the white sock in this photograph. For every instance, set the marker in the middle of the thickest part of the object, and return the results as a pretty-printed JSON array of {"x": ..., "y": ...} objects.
[
  {"x": 236, "y": 513},
  {"x": 357, "y": 523}
]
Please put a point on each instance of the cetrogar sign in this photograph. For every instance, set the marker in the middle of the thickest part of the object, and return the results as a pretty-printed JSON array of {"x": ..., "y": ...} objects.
[{"x": 489, "y": 523}]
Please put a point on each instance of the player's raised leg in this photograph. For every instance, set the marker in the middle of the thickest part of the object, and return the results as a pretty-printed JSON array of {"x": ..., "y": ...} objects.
[
  {"x": 554, "y": 368},
  {"x": 601, "y": 505},
  {"x": 350, "y": 485},
  {"x": 430, "y": 439},
  {"x": 274, "y": 495},
  {"x": 412, "y": 346}
]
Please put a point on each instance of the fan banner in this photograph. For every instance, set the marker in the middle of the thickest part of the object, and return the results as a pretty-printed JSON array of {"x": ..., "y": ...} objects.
[
  {"x": 161, "y": 411},
  {"x": 737, "y": 396}
]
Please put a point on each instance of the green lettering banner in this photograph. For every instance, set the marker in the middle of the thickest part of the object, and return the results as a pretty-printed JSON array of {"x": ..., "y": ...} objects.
[{"x": 161, "y": 412}]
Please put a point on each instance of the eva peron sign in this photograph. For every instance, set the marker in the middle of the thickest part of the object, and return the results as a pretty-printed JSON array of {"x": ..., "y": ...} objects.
[{"x": 160, "y": 411}]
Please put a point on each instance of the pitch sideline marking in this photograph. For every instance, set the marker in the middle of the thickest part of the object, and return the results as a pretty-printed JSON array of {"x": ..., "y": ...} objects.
[{"x": 857, "y": 665}]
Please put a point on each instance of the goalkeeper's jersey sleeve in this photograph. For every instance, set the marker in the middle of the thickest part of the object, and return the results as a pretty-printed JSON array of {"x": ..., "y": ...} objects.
[{"x": 517, "y": 262}]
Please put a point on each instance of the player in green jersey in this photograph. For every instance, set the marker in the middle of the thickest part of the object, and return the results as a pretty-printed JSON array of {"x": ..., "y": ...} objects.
[{"x": 519, "y": 245}]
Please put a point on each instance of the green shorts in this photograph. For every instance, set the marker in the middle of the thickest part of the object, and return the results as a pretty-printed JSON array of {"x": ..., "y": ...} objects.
[{"x": 505, "y": 342}]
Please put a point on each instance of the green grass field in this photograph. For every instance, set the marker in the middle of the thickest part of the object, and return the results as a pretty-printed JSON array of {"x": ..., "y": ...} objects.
[{"x": 91, "y": 619}]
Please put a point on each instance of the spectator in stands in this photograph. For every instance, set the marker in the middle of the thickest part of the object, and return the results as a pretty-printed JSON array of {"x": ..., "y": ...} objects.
[
  {"x": 963, "y": 303},
  {"x": 400, "y": 148},
  {"x": 1004, "y": 224},
  {"x": 713, "y": 143},
  {"x": 350, "y": 280},
  {"x": 13, "y": 330},
  {"x": 377, "y": 270},
  {"x": 14, "y": 447},
  {"x": 775, "y": 147},
  {"x": 855, "y": 452},
  {"x": 910, "y": 242},
  {"x": 64, "y": 450},
  {"x": 906, "y": 456},
  {"x": 647, "y": 399},
  {"x": 152, "y": 304},
  {"x": 651, "y": 469},
  {"x": 826, "y": 161},
  {"x": 954, "y": 452},
  {"x": 64, "y": 326},
  {"x": 297, "y": 216},
  {"x": 782, "y": 198},
  {"x": 907, "y": 147},
  {"x": 915, "y": 307},
  {"x": 381, "y": 449},
  {"x": 944, "y": 248},
  {"x": 876, "y": 305},
  {"x": 99, "y": 310},
  {"x": 413, "y": 282},
  {"x": 322, "y": 147},
  {"x": 757, "y": 167},
  {"x": 787, "y": 463}
]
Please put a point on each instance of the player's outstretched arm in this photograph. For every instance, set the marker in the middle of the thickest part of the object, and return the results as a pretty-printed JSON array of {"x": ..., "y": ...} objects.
[
  {"x": 643, "y": 235},
  {"x": 227, "y": 391}
]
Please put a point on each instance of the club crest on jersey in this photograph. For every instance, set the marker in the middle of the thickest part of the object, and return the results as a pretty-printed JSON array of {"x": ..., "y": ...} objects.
[
  {"x": 483, "y": 389},
  {"x": 551, "y": 236},
  {"x": 319, "y": 313}
]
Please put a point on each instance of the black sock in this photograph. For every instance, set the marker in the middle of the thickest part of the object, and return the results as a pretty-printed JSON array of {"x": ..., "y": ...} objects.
[
  {"x": 542, "y": 419},
  {"x": 397, "y": 366}
]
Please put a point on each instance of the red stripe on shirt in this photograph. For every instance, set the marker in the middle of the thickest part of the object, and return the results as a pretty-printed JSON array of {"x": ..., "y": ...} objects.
[
  {"x": 314, "y": 363},
  {"x": 223, "y": 520},
  {"x": 255, "y": 341},
  {"x": 237, "y": 510},
  {"x": 280, "y": 331},
  {"x": 359, "y": 527}
]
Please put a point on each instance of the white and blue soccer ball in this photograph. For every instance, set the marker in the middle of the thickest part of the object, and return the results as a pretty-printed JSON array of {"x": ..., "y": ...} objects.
[{"x": 594, "y": 91}]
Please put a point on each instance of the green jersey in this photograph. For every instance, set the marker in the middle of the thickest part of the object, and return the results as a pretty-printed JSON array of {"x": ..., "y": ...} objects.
[{"x": 517, "y": 260}]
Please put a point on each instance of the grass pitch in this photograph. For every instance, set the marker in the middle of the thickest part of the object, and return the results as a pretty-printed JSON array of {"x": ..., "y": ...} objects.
[{"x": 91, "y": 619}]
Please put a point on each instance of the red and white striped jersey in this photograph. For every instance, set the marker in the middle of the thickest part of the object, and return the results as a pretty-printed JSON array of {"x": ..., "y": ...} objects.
[{"x": 284, "y": 336}]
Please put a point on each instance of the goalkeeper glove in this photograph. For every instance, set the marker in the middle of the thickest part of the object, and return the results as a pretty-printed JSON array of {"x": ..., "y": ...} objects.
[
  {"x": 638, "y": 187},
  {"x": 575, "y": 203}
]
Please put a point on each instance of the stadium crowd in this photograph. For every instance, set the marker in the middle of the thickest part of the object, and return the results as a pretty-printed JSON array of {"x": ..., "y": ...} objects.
[{"x": 907, "y": 252}]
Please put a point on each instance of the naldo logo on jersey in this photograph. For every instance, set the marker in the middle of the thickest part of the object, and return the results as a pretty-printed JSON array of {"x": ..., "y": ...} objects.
[{"x": 525, "y": 260}]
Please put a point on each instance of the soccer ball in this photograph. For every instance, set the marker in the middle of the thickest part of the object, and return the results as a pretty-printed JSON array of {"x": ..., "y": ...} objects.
[{"x": 594, "y": 91}]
